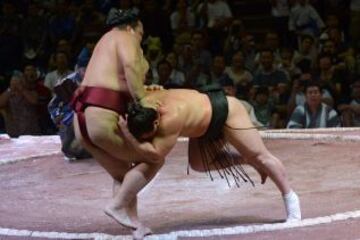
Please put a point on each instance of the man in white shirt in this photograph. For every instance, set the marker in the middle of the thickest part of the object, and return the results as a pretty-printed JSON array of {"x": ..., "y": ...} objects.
[{"x": 60, "y": 72}]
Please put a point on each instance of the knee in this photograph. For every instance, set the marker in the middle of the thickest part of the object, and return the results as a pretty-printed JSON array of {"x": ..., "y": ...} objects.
[{"x": 263, "y": 158}]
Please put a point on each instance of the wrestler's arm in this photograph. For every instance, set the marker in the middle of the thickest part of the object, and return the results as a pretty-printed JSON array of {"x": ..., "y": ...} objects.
[
  {"x": 157, "y": 149},
  {"x": 130, "y": 53}
]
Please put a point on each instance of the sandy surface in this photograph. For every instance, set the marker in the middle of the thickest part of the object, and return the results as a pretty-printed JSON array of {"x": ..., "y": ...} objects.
[{"x": 49, "y": 194}]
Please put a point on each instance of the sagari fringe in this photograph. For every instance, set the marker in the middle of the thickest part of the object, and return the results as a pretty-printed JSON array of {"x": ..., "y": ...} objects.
[{"x": 217, "y": 153}]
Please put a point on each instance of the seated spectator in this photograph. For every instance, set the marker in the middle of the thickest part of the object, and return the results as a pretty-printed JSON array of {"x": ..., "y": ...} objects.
[
  {"x": 287, "y": 64},
  {"x": 32, "y": 76},
  {"x": 20, "y": 103},
  {"x": 176, "y": 74},
  {"x": 305, "y": 57},
  {"x": 297, "y": 93},
  {"x": 164, "y": 70},
  {"x": 267, "y": 75},
  {"x": 280, "y": 10},
  {"x": 193, "y": 69},
  {"x": 271, "y": 42},
  {"x": 182, "y": 19},
  {"x": 216, "y": 17},
  {"x": 240, "y": 75},
  {"x": 248, "y": 48},
  {"x": 85, "y": 53},
  {"x": 304, "y": 19},
  {"x": 314, "y": 113},
  {"x": 265, "y": 110},
  {"x": 329, "y": 77},
  {"x": 217, "y": 71},
  {"x": 199, "y": 51},
  {"x": 332, "y": 21},
  {"x": 62, "y": 69},
  {"x": 350, "y": 111},
  {"x": 154, "y": 55},
  {"x": 233, "y": 40},
  {"x": 64, "y": 46},
  {"x": 230, "y": 90},
  {"x": 62, "y": 116}
]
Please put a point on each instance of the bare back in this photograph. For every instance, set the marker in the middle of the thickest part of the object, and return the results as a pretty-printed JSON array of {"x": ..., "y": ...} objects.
[
  {"x": 106, "y": 68},
  {"x": 187, "y": 110}
]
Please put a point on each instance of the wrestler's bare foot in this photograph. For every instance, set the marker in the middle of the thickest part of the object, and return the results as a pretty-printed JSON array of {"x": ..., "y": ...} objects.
[
  {"x": 121, "y": 216},
  {"x": 141, "y": 232}
]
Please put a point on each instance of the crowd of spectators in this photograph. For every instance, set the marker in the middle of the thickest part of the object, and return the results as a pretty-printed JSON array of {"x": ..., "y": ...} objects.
[{"x": 303, "y": 72}]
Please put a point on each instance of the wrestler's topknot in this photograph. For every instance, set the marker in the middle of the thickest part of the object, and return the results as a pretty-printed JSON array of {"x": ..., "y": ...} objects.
[{"x": 119, "y": 17}]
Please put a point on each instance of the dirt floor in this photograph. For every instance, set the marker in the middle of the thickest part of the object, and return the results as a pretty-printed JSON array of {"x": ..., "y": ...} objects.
[{"x": 42, "y": 193}]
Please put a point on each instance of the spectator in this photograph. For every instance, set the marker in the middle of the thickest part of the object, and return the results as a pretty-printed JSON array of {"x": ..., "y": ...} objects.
[
  {"x": 164, "y": 70},
  {"x": 177, "y": 76},
  {"x": 64, "y": 46},
  {"x": 332, "y": 21},
  {"x": 314, "y": 113},
  {"x": 32, "y": 77},
  {"x": 242, "y": 78},
  {"x": 249, "y": 50},
  {"x": 20, "y": 104},
  {"x": 217, "y": 72},
  {"x": 280, "y": 10},
  {"x": 182, "y": 19},
  {"x": 230, "y": 90},
  {"x": 62, "y": 116},
  {"x": 305, "y": 57},
  {"x": 329, "y": 78},
  {"x": 305, "y": 20},
  {"x": 350, "y": 111},
  {"x": 233, "y": 40},
  {"x": 272, "y": 43},
  {"x": 216, "y": 16},
  {"x": 62, "y": 69},
  {"x": 85, "y": 54},
  {"x": 287, "y": 64},
  {"x": 200, "y": 53},
  {"x": 154, "y": 55},
  {"x": 264, "y": 109},
  {"x": 268, "y": 75}
]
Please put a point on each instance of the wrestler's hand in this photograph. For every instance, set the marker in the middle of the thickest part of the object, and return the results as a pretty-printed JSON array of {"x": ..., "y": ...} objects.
[
  {"x": 146, "y": 149},
  {"x": 153, "y": 87}
]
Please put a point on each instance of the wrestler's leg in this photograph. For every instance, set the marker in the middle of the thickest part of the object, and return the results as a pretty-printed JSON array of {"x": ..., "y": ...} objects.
[
  {"x": 125, "y": 215},
  {"x": 103, "y": 130},
  {"x": 251, "y": 146},
  {"x": 134, "y": 181},
  {"x": 196, "y": 160}
]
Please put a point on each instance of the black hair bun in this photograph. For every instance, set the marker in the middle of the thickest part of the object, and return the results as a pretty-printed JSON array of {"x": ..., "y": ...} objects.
[
  {"x": 119, "y": 17},
  {"x": 133, "y": 108}
]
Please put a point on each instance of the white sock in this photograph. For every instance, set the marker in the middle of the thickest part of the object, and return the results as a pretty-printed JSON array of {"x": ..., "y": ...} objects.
[{"x": 292, "y": 205}]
